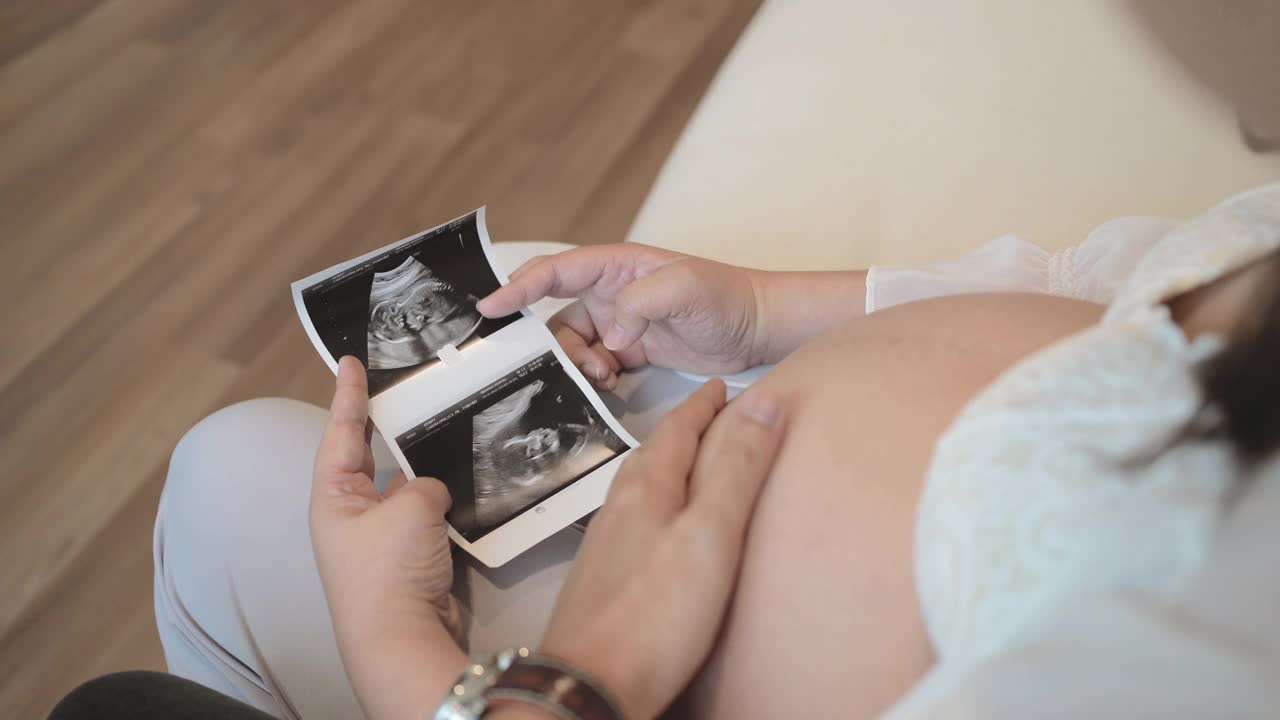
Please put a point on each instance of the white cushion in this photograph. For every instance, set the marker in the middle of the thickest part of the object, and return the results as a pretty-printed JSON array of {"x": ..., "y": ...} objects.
[{"x": 839, "y": 134}]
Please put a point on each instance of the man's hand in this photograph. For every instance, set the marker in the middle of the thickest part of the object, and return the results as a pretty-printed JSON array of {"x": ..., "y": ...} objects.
[{"x": 641, "y": 305}]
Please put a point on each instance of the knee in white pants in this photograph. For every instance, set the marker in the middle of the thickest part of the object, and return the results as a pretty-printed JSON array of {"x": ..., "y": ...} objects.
[{"x": 239, "y": 603}]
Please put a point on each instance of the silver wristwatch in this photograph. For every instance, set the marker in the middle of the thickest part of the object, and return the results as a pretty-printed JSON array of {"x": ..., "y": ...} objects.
[{"x": 466, "y": 699}]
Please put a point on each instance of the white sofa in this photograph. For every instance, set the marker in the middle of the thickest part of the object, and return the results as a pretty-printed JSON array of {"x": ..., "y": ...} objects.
[{"x": 841, "y": 133}]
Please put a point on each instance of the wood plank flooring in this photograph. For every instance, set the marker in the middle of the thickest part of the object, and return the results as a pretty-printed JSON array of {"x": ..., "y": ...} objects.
[{"x": 167, "y": 167}]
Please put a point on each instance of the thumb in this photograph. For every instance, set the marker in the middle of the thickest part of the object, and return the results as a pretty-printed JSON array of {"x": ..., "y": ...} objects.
[
  {"x": 431, "y": 495},
  {"x": 665, "y": 293}
]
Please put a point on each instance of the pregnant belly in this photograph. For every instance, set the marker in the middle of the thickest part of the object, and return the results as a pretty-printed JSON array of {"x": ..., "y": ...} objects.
[{"x": 825, "y": 621}]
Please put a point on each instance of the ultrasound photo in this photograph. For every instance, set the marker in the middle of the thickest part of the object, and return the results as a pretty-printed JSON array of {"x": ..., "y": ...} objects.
[
  {"x": 413, "y": 313},
  {"x": 511, "y": 445},
  {"x": 397, "y": 310}
]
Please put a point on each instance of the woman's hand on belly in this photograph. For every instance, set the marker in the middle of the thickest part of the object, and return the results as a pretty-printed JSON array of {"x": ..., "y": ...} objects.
[
  {"x": 649, "y": 587},
  {"x": 825, "y": 622}
]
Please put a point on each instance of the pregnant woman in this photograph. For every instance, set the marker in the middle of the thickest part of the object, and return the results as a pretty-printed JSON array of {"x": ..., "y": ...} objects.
[{"x": 1015, "y": 482}]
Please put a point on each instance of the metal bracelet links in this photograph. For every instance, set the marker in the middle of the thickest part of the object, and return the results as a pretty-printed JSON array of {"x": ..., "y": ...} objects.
[
  {"x": 466, "y": 698},
  {"x": 562, "y": 690}
]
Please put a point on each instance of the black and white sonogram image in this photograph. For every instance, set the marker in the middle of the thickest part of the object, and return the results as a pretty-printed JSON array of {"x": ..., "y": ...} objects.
[
  {"x": 413, "y": 313},
  {"x": 511, "y": 445},
  {"x": 397, "y": 310}
]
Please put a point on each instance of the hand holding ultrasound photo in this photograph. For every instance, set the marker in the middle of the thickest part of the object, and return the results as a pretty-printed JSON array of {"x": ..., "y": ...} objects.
[{"x": 491, "y": 407}]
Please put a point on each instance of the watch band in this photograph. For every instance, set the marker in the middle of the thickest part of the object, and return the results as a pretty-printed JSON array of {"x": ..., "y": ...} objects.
[
  {"x": 466, "y": 698},
  {"x": 564, "y": 691}
]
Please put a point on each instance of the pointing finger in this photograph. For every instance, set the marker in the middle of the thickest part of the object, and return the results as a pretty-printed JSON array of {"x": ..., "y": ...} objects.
[{"x": 563, "y": 275}]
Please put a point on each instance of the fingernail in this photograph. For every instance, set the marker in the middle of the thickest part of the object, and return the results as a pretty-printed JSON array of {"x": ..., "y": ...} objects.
[
  {"x": 613, "y": 338},
  {"x": 483, "y": 305},
  {"x": 610, "y": 382},
  {"x": 761, "y": 407},
  {"x": 344, "y": 366},
  {"x": 592, "y": 371}
]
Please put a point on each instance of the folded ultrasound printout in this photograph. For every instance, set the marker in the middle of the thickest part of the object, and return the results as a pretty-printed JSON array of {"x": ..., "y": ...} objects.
[{"x": 492, "y": 407}]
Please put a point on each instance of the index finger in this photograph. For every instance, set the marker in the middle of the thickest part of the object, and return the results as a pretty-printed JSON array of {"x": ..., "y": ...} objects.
[{"x": 563, "y": 275}]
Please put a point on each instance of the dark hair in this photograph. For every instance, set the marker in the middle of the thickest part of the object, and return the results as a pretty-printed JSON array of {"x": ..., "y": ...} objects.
[{"x": 1241, "y": 384}]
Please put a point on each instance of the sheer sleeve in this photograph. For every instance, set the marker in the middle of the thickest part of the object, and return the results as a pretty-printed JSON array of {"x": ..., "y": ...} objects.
[{"x": 1092, "y": 270}]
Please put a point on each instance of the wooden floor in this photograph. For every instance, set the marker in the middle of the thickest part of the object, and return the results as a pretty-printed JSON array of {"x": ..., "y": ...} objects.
[{"x": 167, "y": 167}]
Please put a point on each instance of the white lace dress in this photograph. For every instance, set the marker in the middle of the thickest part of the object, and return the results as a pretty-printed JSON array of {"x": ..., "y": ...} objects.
[{"x": 1065, "y": 483}]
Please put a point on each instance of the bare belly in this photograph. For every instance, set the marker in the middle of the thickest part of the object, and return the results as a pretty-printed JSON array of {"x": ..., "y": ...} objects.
[{"x": 825, "y": 621}]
